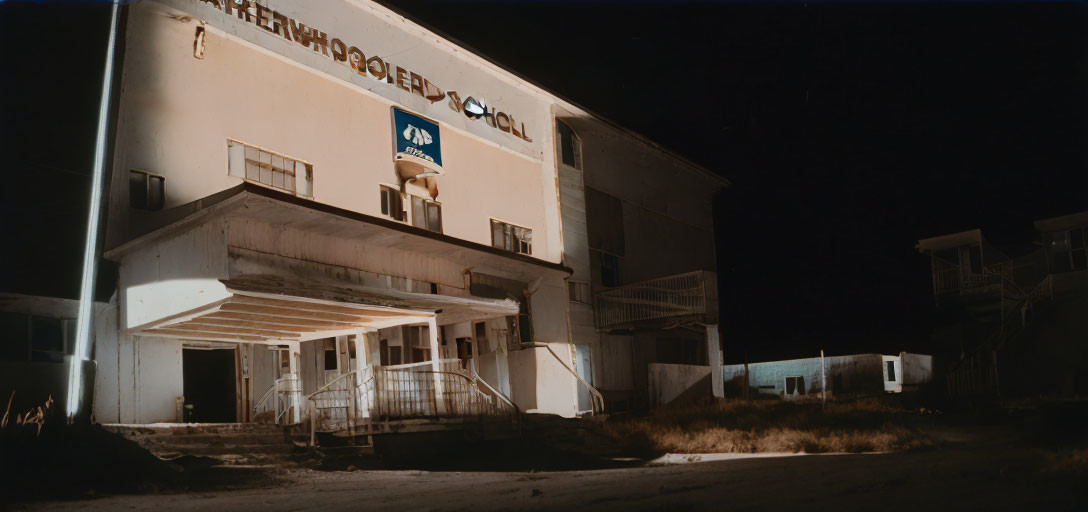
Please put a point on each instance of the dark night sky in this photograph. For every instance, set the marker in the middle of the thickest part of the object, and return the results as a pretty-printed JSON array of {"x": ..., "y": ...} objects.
[{"x": 850, "y": 131}]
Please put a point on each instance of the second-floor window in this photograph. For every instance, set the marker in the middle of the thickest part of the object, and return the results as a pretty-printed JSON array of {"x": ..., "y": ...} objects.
[
  {"x": 570, "y": 145},
  {"x": 270, "y": 169},
  {"x": 578, "y": 292},
  {"x": 146, "y": 190},
  {"x": 511, "y": 237},
  {"x": 426, "y": 214},
  {"x": 392, "y": 205}
]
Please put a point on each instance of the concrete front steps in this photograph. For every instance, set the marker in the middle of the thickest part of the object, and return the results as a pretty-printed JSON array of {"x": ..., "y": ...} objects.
[{"x": 249, "y": 444}]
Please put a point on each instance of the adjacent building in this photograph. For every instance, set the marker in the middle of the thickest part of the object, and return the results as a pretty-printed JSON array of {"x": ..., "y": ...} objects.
[{"x": 1014, "y": 325}]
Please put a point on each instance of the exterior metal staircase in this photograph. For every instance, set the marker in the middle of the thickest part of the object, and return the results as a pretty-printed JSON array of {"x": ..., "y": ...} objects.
[{"x": 976, "y": 375}]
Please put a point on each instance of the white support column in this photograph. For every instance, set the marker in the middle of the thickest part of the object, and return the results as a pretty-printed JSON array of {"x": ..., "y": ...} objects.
[
  {"x": 362, "y": 358},
  {"x": 296, "y": 385},
  {"x": 714, "y": 358},
  {"x": 439, "y": 393}
]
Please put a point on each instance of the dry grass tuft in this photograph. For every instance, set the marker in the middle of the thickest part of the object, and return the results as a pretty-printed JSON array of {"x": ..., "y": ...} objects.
[{"x": 770, "y": 426}]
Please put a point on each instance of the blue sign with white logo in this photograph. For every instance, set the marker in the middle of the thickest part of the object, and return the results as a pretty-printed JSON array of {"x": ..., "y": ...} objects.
[{"x": 416, "y": 137}]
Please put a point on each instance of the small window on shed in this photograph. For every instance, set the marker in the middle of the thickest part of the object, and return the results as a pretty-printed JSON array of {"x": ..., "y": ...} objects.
[{"x": 795, "y": 385}]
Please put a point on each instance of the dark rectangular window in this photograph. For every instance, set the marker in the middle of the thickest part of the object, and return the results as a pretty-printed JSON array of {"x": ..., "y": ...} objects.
[
  {"x": 570, "y": 146},
  {"x": 146, "y": 191},
  {"x": 1078, "y": 252},
  {"x": 795, "y": 385},
  {"x": 46, "y": 339},
  {"x": 14, "y": 337},
  {"x": 975, "y": 255},
  {"x": 891, "y": 370},
  {"x": 610, "y": 269},
  {"x": 681, "y": 351},
  {"x": 330, "y": 354},
  {"x": 481, "y": 338},
  {"x": 511, "y": 237},
  {"x": 392, "y": 205}
]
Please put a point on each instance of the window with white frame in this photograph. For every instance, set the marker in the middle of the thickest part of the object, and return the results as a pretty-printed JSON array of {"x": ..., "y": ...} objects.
[
  {"x": 270, "y": 169},
  {"x": 426, "y": 214},
  {"x": 511, "y": 237},
  {"x": 570, "y": 145}
]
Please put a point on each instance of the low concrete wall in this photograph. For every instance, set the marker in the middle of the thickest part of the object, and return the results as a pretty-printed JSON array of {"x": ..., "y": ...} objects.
[
  {"x": 677, "y": 383},
  {"x": 917, "y": 369}
]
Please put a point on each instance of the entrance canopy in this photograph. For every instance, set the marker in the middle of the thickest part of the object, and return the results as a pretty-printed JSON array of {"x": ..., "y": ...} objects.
[
  {"x": 271, "y": 310},
  {"x": 255, "y": 265}
]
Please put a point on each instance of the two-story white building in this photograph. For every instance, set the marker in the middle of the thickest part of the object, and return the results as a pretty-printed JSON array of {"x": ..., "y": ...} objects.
[{"x": 323, "y": 212}]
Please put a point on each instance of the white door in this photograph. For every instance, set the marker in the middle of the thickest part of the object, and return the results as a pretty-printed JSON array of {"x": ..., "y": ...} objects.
[
  {"x": 583, "y": 356},
  {"x": 893, "y": 374}
]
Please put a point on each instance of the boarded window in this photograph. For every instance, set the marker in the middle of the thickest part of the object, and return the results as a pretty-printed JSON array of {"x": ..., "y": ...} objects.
[
  {"x": 511, "y": 238},
  {"x": 426, "y": 214},
  {"x": 269, "y": 169},
  {"x": 578, "y": 292}
]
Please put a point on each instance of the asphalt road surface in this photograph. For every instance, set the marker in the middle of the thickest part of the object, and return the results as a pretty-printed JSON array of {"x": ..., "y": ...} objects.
[{"x": 994, "y": 475}]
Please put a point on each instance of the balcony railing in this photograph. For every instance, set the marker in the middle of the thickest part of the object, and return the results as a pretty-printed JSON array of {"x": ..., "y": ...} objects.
[{"x": 693, "y": 296}]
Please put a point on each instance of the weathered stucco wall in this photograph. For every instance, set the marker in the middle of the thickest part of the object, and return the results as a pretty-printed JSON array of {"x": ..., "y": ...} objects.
[
  {"x": 173, "y": 275},
  {"x": 669, "y": 382},
  {"x": 860, "y": 373},
  {"x": 158, "y": 373},
  {"x": 299, "y": 109}
]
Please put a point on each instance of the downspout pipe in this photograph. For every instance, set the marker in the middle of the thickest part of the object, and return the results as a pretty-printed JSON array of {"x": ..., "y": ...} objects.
[{"x": 92, "y": 246}]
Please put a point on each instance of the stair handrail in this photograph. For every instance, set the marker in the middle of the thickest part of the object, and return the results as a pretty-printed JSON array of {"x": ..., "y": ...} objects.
[
  {"x": 351, "y": 389},
  {"x": 596, "y": 398},
  {"x": 264, "y": 398},
  {"x": 480, "y": 380}
]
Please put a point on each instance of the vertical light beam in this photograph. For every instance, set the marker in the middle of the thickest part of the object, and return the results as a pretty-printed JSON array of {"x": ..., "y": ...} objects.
[{"x": 84, "y": 323}]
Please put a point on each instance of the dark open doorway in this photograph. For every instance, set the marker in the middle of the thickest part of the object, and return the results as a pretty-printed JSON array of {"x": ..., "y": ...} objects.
[{"x": 209, "y": 385}]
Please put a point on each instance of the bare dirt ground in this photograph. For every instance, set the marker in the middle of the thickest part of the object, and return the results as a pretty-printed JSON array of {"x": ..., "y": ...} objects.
[{"x": 971, "y": 468}]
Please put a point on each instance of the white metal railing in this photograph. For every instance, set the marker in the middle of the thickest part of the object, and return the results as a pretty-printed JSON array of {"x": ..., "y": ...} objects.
[
  {"x": 949, "y": 277},
  {"x": 355, "y": 402},
  {"x": 690, "y": 294},
  {"x": 595, "y": 397},
  {"x": 284, "y": 394}
]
